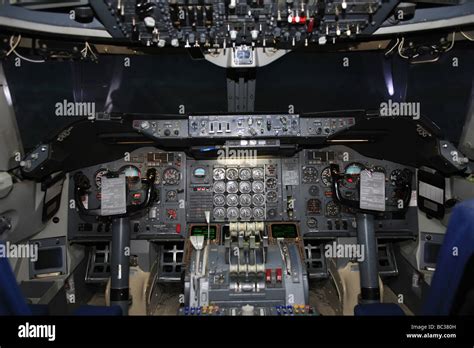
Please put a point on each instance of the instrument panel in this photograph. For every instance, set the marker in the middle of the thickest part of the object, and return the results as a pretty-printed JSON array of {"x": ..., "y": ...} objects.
[{"x": 246, "y": 189}]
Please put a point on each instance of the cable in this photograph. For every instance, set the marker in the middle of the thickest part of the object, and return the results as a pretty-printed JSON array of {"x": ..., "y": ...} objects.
[
  {"x": 400, "y": 48},
  {"x": 394, "y": 46},
  {"x": 452, "y": 43},
  {"x": 466, "y": 36},
  {"x": 13, "y": 50},
  {"x": 87, "y": 49}
]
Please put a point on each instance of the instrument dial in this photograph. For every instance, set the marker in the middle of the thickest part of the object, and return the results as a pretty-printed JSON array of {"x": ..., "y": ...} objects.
[
  {"x": 245, "y": 213},
  {"x": 218, "y": 174},
  {"x": 326, "y": 176},
  {"x": 258, "y": 213},
  {"x": 310, "y": 175},
  {"x": 258, "y": 187},
  {"x": 271, "y": 184},
  {"x": 245, "y": 186},
  {"x": 232, "y": 174},
  {"x": 171, "y": 176},
  {"x": 245, "y": 174},
  {"x": 312, "y": 223},
  {"x": 219, "y": 200},
  {"x": 258, "y": 200},
  {"x": 245, "y": 200},
  {"x": 232, "y": 213},
  {"x": 98, "y": 177},
  {"x": 132, "y": 174},
  {"x": 258, "y": 173},
  {"x": 332, "y": 209},
  {"x": 232, "y": 187},
  {"x": 219, "y": 213},
  {"x": 352, "y": 175},
  {"x": 232, "y": 200},
  {"x": 171, "y": 196},
  {"x": 399, "y": 177},
  {"x": 314, "y": 190},
  {"x": 219, "y": 187},
  {"x": 271, "y": 196}
]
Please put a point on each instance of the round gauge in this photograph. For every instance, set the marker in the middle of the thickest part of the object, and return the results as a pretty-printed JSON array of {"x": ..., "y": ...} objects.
[
  {"x": 245, "y": 200},
  {"x": 232, "y": 200},
  {"x": 199, "y": 172},
  {"x": 312, "y": 223},
  {"x": 232, "y": 187},
  {"x": 245, "y": 186},
  {"x": 219, "y": 187},
  {"x": 232, "y": 213},
  {"x": 98, "y": 177},
  {"x": 258, "y": 187},
  {"x": 326, "y": 176},
  {"x": 132, "y": 174},
  {"x": 310, "y": 175},
  {"x": 271, "y": 184},
  {"x": 258, "y": 199},
  {"x": 332, "y": 209},
  {"x": 219, "y": 213},
  {"x": 258, "y": 173},
  {"x": 171, "y": 176},
  {"x": 171, "y": 196},
  {"x": 271, "y": 196},
  {"x": 245, "y": 213},
  {"x": 399, "y": 177},
  {"x": 245, "y": 174},
  {"x": 271, "y": 213},
  {"x": 219, "y": 200},
  {"x": 314, "y": 190},
  {"x": 218, "y": 174},
  {"x": 232, "y": 174},
  {"x": 258, "y": 213},
  {"x": 313, "y": 206},
  {"x": 352, "y": 175}
]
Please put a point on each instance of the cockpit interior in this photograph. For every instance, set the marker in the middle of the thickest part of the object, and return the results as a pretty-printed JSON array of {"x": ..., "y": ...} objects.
[{"x": 236, "y": 158}]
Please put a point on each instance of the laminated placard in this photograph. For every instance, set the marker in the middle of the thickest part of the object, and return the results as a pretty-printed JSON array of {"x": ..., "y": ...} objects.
[
  {"x": 372, "y": 190},
  {"x": 113, "y": 196}
]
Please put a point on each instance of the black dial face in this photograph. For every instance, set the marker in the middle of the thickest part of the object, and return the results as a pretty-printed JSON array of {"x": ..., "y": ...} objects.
[
  {"x": 310, "y": 175},
  {"x": 245, "y": 187},
  {"x": 314, "y": 190},
  {"x": 272, "y": 196},
  {"x": 98, "y": 177},
  {"x": 399, "y": 177},
  {"x": 312, "y": 223},
  {"x": 352, "y": 175},
  {"x": 219, "y": 213},
  {"x": 332, "y": 209},
  {"x": 245, "y": 200},
  {"x": 378, "y": 169},
  {"x": 219, "y": 200},
  {"x": 326, "y": 178},
  {"x": 271, "y": 183},
  {"x": 171, "y": 176},
  {"x": 219, "y": 187},
  {"x": 258, "y": 213},
  {"x": 171, "y": 196}
]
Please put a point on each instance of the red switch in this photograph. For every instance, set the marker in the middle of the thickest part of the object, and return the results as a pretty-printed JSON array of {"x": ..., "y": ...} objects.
[
  {"x": 178, "y": 228},
  {"x": 279, "y": 275},
  {"x": 268, "y": 275}
]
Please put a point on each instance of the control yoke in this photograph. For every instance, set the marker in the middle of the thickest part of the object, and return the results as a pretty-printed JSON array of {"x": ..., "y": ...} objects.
[
  {"x": 120, "y": 250},
  {"x": 82, "y": 186},
  {"x": 368, "y": 268}
]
